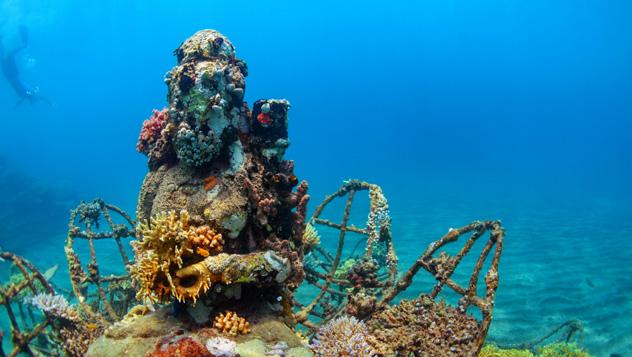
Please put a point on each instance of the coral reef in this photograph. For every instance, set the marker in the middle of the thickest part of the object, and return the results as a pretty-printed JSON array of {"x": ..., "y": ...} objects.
[
  {"x": 446, "y": 331},
  {"x": 230, "y": 323},
  {"x": 140, "y": 335},
  {"x": 343, "y": 336}
]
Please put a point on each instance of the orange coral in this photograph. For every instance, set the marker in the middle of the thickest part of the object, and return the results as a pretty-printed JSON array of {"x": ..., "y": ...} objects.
[
  {"x": 180, "y": 347},
  {"x": 210, "y": 182},
  {"x": 205, "y": 240},
  {"x": 230, "y": 323}
]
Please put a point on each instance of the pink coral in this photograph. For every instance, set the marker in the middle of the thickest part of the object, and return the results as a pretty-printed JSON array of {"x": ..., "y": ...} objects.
[{"x": 151, "y": 130}]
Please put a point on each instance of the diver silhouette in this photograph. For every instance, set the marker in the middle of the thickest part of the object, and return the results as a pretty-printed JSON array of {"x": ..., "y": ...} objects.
[{"x": 11, "y": 72}]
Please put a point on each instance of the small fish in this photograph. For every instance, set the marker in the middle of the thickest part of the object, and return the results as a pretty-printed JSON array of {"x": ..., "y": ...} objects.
[
  {"x": 264, "y": 119},
  {"x": 48, "y": 274},
  {"x": 590, "y": 283}
]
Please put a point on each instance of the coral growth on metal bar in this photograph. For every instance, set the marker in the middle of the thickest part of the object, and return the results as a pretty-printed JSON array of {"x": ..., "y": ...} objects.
[
  {"x": 566, "y": 332},
  {"x": 353, "y": 276},
  {"x": 356, "y": 287},
  {"x": 114, "y": 293},
  {"x": 29, "y": 283}
]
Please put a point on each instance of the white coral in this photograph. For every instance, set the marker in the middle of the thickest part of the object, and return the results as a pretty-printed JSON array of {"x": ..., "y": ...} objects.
[
  {"x": 343, "y": 336},
  {"x": 53, "y": 304},
  {"x": 221, "y": 347}
]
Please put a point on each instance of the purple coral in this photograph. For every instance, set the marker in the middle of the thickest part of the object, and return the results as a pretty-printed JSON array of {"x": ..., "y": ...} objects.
[{"x": 343, "y": 336}]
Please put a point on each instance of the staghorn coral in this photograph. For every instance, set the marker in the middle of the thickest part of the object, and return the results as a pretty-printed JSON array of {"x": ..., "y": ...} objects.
[
  {"x": 343, "y": 336},
  {"x": 167, "y": 241},
  {"x": 230, "y": 323},
  {"x": 54, "y": 305},
  {"x": 221, "y": 347},
  {"x": 180, "y": 346}
]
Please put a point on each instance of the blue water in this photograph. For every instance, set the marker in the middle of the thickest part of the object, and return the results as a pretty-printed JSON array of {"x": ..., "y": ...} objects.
[{"x": 461, "y": 110}]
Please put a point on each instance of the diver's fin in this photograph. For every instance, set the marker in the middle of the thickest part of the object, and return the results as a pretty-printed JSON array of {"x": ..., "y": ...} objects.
[
  {"x": 44, "y": 99},
  {"x": 20, "y": 101}
]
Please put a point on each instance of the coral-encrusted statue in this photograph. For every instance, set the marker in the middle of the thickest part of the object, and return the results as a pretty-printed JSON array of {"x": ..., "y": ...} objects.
[{"x": 219, "y": 218}]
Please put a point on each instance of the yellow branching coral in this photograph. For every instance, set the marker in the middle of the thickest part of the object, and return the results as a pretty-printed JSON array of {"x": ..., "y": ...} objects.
[
  {"x": 230, "y": 323},
  {"x": 311, "y": 236},
  {"x": 165, "y": 243}
]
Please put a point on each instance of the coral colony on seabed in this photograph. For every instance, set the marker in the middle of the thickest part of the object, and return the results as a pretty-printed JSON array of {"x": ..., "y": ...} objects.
[{"x": 222, "y": 241}]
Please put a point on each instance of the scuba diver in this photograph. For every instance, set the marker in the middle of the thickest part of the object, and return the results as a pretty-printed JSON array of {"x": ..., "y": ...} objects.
[{"x": 12, "y": 74}]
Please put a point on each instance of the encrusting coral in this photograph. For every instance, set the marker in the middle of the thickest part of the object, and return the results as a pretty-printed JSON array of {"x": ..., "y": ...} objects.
[
  {"x": 180, "y": 346},
  {"x": 232, "y": 324},
  {"x": 343, "y": 336},
  {"x": 221, "y": 347}
]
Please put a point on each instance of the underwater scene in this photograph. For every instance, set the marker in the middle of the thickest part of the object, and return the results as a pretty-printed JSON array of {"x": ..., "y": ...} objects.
[{"x": 290, "y": 178}]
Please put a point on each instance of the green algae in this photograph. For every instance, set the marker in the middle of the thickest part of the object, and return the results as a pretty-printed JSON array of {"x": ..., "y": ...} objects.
[{"x": 550, "y": 350}]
